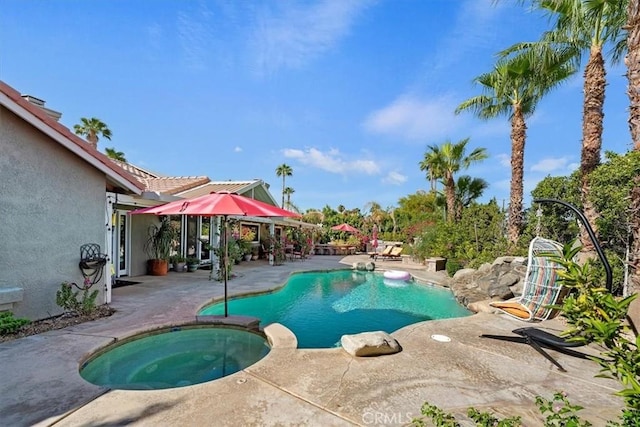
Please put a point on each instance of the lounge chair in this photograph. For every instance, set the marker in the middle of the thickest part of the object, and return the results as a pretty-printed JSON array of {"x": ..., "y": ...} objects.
[
  {"x": 395, "y": 253},
  {"x": 537, "y": 338},
  {"x": 385, "y": 252},
  {"x": 542, "y": 287}
]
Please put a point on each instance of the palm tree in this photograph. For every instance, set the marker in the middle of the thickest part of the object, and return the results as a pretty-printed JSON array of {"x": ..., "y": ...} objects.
[
  {"x": 289, "y": 191},
  {"x": 284, "y": 171},
  {"x": 632, "y": 61},
  {"x": 467, "y": 190},
  {"x": 391, "y": 211},
  {"x": 431, "y": 165},
  {"x": 513, "y": 89},
  {"x": 115, "y": 155},
  {"x": 586, "y": 26},
  {"x": 91, "y": 128},
  {"x": 451, "y": 158}
]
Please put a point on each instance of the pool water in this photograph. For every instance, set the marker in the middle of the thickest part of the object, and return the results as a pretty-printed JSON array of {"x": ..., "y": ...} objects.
[
  {"x": 320, "y": 307},
  {"x": 175, "y": 357}
]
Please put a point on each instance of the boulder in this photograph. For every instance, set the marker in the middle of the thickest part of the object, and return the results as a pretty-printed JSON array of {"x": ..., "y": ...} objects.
[
  {"x": 370, "y": 266},
  {"x": 463, "y": 272},
  {"x": 370, "y": 344},
  {"x": 481, "y": 307},
  {"x": 484, "y": 268},
  {"x": 360, "y": 266},
  {"x": 499, "y": 290},
  {"x": 508, "y": 279}
]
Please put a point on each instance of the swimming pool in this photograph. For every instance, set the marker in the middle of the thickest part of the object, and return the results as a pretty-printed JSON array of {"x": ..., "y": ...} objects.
[
  {"x": 174, "y": 357},
  {"x": 320, "y": 307}
]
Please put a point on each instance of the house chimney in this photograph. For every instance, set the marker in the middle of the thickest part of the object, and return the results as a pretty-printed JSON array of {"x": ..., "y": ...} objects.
[{"x": 55, "y": 115}]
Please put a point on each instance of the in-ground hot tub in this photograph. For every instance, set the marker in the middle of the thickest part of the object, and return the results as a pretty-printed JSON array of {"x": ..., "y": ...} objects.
[{"x": 174, "y": 357}]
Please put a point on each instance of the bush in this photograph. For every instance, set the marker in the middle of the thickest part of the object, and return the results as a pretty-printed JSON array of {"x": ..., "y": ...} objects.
[
  {"x": 67, "y": 298},
  {"x": 10, "y": 324}
]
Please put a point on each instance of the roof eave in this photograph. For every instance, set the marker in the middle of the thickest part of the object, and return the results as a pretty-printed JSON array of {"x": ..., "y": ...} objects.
[{"x": 54, "y": 134}]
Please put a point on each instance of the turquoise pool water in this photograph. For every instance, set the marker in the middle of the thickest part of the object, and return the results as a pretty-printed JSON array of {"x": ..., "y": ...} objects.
[
  {"x": 320, "y": 307},
  {"x": 175, "y": 357}
]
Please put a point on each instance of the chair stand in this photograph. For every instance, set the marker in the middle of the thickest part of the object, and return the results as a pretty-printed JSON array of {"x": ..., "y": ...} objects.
[{"x": 538, "y": 339}]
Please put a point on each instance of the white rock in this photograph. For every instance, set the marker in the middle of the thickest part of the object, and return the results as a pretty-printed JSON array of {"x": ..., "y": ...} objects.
[{"x": 370, "y": 344}]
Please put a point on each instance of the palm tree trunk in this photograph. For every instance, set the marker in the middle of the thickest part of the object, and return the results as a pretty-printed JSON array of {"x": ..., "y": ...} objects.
[
  {"x": 450, "y": 193},
  {"x": 592, "y": 118},
  {"x": 282, "y": 206},
  {"x": 518, "y": 137},
  {"x": 632, "y": 61}
]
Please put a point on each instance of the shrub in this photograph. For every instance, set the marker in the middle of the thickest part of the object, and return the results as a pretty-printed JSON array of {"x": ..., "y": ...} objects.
[
  {"x": 10, "y": 324},
  {"x": 67, "y": 298}
]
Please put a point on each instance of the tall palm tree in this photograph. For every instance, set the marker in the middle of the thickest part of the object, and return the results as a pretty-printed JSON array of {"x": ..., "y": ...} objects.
[
  {"x": 586, "y": 26},
  {"x": 289, "y": 191},
  {"x": 115, "y": 155},
  {"x": 632, "y": 61},
  {"x": 284, "y": 171},
  {"x": 513, "y": 89},
  {"x": 91, "y": 128},
  {"x": 451, "y": 158}
]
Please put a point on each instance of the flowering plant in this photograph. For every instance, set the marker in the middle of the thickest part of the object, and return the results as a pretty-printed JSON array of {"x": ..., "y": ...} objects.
[{"x": 276, "y": 249}]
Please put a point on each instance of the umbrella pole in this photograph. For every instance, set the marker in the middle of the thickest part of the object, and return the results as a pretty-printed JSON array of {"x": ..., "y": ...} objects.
[{"x": 224, "y": 263}]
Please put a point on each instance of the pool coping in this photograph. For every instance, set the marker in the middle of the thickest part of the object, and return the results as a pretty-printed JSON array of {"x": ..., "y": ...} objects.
[{"x": 290, "y": 386}]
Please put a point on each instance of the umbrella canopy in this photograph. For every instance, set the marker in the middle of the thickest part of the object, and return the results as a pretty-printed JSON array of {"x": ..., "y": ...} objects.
[
  {"x": 219, "y": 204},
  {"x": 345, "y": 227}
]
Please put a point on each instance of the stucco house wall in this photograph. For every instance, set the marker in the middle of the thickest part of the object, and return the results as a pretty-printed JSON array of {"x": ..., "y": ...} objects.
[
  {"x": 139, "y": 229},
  {"x": 51, "y": 203}
]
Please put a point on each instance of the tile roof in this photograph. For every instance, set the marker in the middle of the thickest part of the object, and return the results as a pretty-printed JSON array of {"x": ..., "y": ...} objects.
[
  {"x": 173, "y": 184},
  {"x": 215, "y": 186},
  {"x": 63, "y": 131},
  {"x": 137, "y": 171}
]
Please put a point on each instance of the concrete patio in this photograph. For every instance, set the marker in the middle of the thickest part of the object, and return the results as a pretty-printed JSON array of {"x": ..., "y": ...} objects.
[{"x": 41, "y": 385}]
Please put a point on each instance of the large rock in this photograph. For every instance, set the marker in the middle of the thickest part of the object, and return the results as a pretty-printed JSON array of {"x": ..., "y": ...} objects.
[
  {"x": 501, "y": 279},
  {"x": 370, "y": 344},
  {"x": 463, "y": 272}
]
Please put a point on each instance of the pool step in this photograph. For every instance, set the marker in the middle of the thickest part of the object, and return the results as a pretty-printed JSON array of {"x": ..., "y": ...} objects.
[{"x": 252, "y": 323}]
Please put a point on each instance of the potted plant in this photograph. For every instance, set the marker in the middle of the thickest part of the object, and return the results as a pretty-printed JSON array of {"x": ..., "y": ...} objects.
[
  {"x": 158, "y": 246},
  {"x": 179, "y": 262},
  {"x": 192, "y": 264},
  {"x": 245, "y": 249},
  {"x": 276, "y": 254}
]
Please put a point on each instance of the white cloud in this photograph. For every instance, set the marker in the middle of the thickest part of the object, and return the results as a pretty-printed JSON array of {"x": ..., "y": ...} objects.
[
  {"x": 412, "y": 118},
  {"x": 504, "y": 159},
  {"x": 195, "y": 36},
  {"x": 394, "y": 178},
  {"x": 552, "y": 164},
  {"x": 237, "y": 149},
  {"x": 296, "y": 34},
  {"x": 332, "y": 161},
  {"x": 473, "y": 31}
]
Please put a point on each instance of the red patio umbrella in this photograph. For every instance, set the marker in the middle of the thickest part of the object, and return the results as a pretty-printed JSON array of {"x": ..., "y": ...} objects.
[
  {"x": 345, "y": 227},
  {"x": 219, "y": 204}
]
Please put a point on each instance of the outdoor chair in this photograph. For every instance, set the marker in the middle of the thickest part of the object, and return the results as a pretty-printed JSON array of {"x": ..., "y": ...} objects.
[
  {"x": 395, "y": 253},
  {"x": 542, "y": 287},
  {"x": 386, "y": 251}
]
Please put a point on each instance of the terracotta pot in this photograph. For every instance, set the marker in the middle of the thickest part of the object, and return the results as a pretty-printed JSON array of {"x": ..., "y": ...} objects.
[{"x": 157, "y": 267}]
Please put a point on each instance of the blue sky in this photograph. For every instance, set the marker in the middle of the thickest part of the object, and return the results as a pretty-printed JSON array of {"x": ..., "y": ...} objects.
[{"x": 349, "y": 93}]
